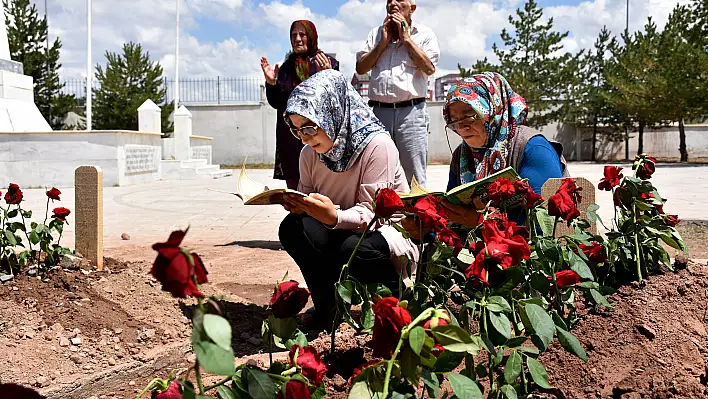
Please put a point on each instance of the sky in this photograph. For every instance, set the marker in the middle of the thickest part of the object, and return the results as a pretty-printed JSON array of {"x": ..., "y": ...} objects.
[{"x": 227, "y": 37}]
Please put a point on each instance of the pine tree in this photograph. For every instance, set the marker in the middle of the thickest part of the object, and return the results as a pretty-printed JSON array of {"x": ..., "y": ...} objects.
[
  {"x": 633, "y": 78},
  {"x": 532, "y": 62},
  {"x": 27, "y": 38},
  {"x": 127, "y": 81},
  {"x": 683, "y": 73}
]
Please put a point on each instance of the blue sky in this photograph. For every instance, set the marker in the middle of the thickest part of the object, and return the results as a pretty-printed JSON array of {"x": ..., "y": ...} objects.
[{"x": 227, "y": 37}]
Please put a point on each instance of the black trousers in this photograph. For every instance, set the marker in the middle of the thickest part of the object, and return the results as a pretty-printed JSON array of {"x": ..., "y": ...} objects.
[{"x": 321, "y": 253}]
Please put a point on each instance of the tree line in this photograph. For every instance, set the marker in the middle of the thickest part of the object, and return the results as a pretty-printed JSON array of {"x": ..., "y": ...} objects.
[{"x": 633, "y": 81}]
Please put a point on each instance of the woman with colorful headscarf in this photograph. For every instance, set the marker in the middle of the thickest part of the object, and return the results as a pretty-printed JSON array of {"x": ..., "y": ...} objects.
[
  {"x": 348, "y": 156},
  {"x": 490, "y": 117},
  {"x": 304, "y": 60}
]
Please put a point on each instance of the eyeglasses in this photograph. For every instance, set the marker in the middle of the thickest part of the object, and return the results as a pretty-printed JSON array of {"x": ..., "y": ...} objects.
[
  {"x": 464, "y": 123},
  {"x": 298, "y": 132}
]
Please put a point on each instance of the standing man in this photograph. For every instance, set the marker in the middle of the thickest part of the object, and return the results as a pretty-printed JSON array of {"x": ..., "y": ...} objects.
[{"x": 401, "y": 56}]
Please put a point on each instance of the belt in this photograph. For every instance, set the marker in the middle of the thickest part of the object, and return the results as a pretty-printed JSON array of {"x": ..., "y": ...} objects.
[{"x": 400, "y": 104}]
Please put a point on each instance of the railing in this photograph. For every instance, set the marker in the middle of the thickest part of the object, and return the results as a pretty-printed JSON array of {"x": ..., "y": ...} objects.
[{"x": 219, "y": 90}]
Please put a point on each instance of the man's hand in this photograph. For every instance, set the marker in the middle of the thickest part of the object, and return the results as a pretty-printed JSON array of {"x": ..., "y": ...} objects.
[
  {"x": 316, "y": 205},
  {"x": 403, "y": 29},
  {"x": 386, "y": 34}
]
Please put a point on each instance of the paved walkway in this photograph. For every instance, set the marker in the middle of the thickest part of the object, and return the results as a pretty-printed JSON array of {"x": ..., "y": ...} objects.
[{"x": 148, "y": 212}]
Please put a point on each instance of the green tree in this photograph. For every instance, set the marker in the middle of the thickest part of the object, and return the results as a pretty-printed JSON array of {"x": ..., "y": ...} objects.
[
  {"x": 533, "y": 61},
  {"x": 634, "y": 78},
  {"x": 683, "y": 70},
  {"x": 27, "y": 38},
  {"x": 127, "y": 81}
]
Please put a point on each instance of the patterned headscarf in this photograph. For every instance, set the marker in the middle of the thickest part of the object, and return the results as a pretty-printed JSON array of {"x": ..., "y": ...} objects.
[
  {"x": 502, "y": 109},
  {"x": 302, "y": 61},
  {"x": 330, "y": 101}
]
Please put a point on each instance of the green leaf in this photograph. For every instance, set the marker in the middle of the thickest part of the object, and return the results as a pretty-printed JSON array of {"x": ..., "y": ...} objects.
[
  {"x": 361, "y": 390},
  {"x": 218, "y": 329},
  {"x": 516, "y": 341},
  {"x": 11, "y": 239},
  {"x": 431, "y": 383},
  {"x": 409, "y": 362},
  {"x": 558, "y": 320},
  {"x": 34, "y": 238},
  {"x": 214, "y": 359},
  {"x": 448, "y": 361},
  {"x": 579, "y": 266},
  {"x": 498, "y": 304},
  {"x": 538, "y": 373},
  {"x": 455, "y": 339},
  {"x": 571, "y": 343},
  {"x": 297, "y": 338},
  {"x": 591, "y": 213},
  {"x": 378, "y": 290},
  {"x": 283, "y": 328},
  {"x": 509, "y": 392},
  {"x": 416, "y": 339},
  {"x": 545, "y": 221},
  {"x": 599, "y": 298},
  {"x": 540, "y": 283},
  {"x": 225, "y": 393},
  {"x": 260, "y": 386},
  {"x": 12, "y": 214},
  {"x": 464, "y": 387},
  {"x": 501, "y": 323},
  {"x": 539, "y": 322},
  {"x": 367, "y": 315},
  {"x": 512, "y": 369}
]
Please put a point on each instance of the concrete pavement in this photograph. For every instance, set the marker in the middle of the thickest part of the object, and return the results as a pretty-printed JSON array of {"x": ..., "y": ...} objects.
[{"x": 148, "y": 212}]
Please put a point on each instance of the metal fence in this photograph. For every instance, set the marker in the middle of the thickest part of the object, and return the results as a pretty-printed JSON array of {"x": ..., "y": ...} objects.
[{"x": 219, "y": 90}]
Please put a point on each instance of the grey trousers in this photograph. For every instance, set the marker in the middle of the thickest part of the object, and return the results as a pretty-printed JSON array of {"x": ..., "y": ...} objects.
[{"x": 409, "y": 129}]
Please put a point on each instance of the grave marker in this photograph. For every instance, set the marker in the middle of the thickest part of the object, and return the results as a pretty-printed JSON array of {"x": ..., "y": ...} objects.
[
  {"x": 88, "y": 183},
  {"x": 588, "y": 193}
]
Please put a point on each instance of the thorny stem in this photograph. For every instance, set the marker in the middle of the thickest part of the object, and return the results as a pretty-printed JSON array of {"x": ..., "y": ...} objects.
[
  {"x": 483, "y": 315},
  {"x": 197, "y": 373},
  {"x": 29, "y": 242},
  {"x": 46, "y": 212},
  {"x": 2, "y": 254},
  {"x": 404, "y": 335},
  {"x": 270, "y": 346},
  {"x": 222, "y": 382},
  {"x": 343, "y": 274},
  {"x": 555, "y": 225},
  {"x": 419, "y": 272},
  {"x": 636, "y": 243}
]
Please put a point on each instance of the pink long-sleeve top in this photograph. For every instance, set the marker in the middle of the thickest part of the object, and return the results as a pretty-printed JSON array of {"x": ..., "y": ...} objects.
[{"x": 354, "y": 191}]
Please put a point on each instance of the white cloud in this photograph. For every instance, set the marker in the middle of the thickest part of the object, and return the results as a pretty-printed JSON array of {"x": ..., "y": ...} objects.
[{"x": 464, "y": 28}]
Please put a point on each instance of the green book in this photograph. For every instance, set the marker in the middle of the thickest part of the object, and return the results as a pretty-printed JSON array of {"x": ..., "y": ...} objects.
[{"x": 465, "y": 194}]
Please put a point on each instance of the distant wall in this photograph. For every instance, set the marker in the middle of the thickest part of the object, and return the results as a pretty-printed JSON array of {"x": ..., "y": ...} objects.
[
  {"x": 46, "y": 159},
  {"x": 241, "y": 131}
]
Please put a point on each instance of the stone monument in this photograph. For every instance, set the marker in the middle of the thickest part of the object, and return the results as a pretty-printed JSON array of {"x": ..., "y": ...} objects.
[{"x": 18, "y": 112}]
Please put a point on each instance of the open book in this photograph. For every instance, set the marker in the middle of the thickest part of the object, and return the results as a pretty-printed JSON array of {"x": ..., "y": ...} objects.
[
  {"x": 466, "y": 193},
  {"x": 254, "y": 193}
]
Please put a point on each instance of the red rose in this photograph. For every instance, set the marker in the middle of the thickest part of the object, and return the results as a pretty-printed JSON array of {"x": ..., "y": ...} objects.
[
  {"x": 504, "y": 245},
  {"x": 172, "y": 268},
  {"x": 501, "y": 190},
  {"x": 594, "y": 252},
  {"x": 14, "y": 391},
  {"x": 437, "y": 350},
  {"x": 430, "y": 212},
  {"x": 564, "y": 203},
  {"x": 288, "y": 299},
  {"x": 295, "y": 389},
  {"x": 478, "y": 268},
  {"x": 309, "y": 362},
  {"x": 13, "y": 195},
  {"x": 174, "y": 391},
  {"x": 565, "y": 278},
  {"x": 54, "y": 194},
  {"x": 61, "y": 213},
  {"x": 531, "y": 199},
  {"x": 672, "y": 220},
  {"x": 387, "y": 203},
  {"x": 612, "y": 178},
  {"x": 361, "y": 368},
  {"x": 451, "y": 239},
  {"x": 389, "y": 319},
  {"x": 436, "y": 320},
  {"x": 644, "y": 166}
]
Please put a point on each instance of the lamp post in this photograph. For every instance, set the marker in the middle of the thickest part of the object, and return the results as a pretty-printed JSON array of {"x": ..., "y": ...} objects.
[{"x": 89, "y": 66}]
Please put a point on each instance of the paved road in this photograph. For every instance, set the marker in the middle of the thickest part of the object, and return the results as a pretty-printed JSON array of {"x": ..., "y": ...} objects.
[{"x": 148, "y": 212}]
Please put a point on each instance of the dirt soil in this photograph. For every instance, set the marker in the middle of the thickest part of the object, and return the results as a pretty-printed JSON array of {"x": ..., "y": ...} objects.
[
  {"x": 695, "y": 234},
  {"x": 653, "y": 344}
]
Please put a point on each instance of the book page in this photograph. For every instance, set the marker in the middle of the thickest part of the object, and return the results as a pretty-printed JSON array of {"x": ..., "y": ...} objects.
[
  {"x": 247, "y": 188},
  {"x": 418, "y": 191},
  {"x": 272, "y": 197}
]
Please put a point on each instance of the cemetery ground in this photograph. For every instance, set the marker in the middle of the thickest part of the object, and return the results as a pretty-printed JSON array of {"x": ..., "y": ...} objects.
[{"x": 83, "y": 333}]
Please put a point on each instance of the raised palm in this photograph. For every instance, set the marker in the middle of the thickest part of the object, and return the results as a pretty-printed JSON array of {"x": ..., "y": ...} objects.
[{"x": 269, "y": 72}]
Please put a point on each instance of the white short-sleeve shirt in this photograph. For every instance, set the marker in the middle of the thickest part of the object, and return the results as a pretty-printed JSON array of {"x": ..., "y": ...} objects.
[{"x": 395, "y": 77}]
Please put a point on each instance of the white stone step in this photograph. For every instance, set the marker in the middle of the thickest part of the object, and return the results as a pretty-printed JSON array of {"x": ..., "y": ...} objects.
[
  {"x": 221, "y": 173},
  {"x": 193, "y": 163},
  {"x": 206, "y": 169}
]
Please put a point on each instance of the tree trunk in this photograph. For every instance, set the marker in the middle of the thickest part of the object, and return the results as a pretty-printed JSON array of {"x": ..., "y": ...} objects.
[
  {"x": 682, "y": 141},
  {"x": 640, "y": 138},
  {"x": 594, "y": 139}
]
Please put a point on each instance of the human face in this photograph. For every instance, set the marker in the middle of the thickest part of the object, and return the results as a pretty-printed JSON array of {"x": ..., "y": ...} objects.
[
  {"x": 319, "y": 142},
  {"x": 468, "y": 124},
  {"x": 403, "y": 7},
  {"x": 298, "y": 38}
]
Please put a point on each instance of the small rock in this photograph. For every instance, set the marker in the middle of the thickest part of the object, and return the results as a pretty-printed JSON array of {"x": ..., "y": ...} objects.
[
  {"x": 116, "y": 339},
  {"x": 70, "y": 262},
  {"x": 76, "y": 359},
  {"x": 6, "y": 277},
  {"x": 111, "y": 361},
  {"x": 340, "y": 384},
  {"x": 102, "y": 280},
  {"x": 42, "y": 382},
  {"x": 56, "y": 327},
  {"x": 150, "y": 333},
  {"x": 125, "y": 237},
  {"x": 29, "y": 334},
  {"x": 131, "y": 383},
  {"x": 117, "y": 330},
  {"x": 74, "y": 348},
  {"x": 76, "y": 341},
  {"x": 93, "y": 397},
  {"x": 255, "y": 341},
  {"x": 88, "y": 367},
  {"x": 646, "y": 331},
  {"x": 64, "y": 341},
  {"x": 15, "y": 289}
]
